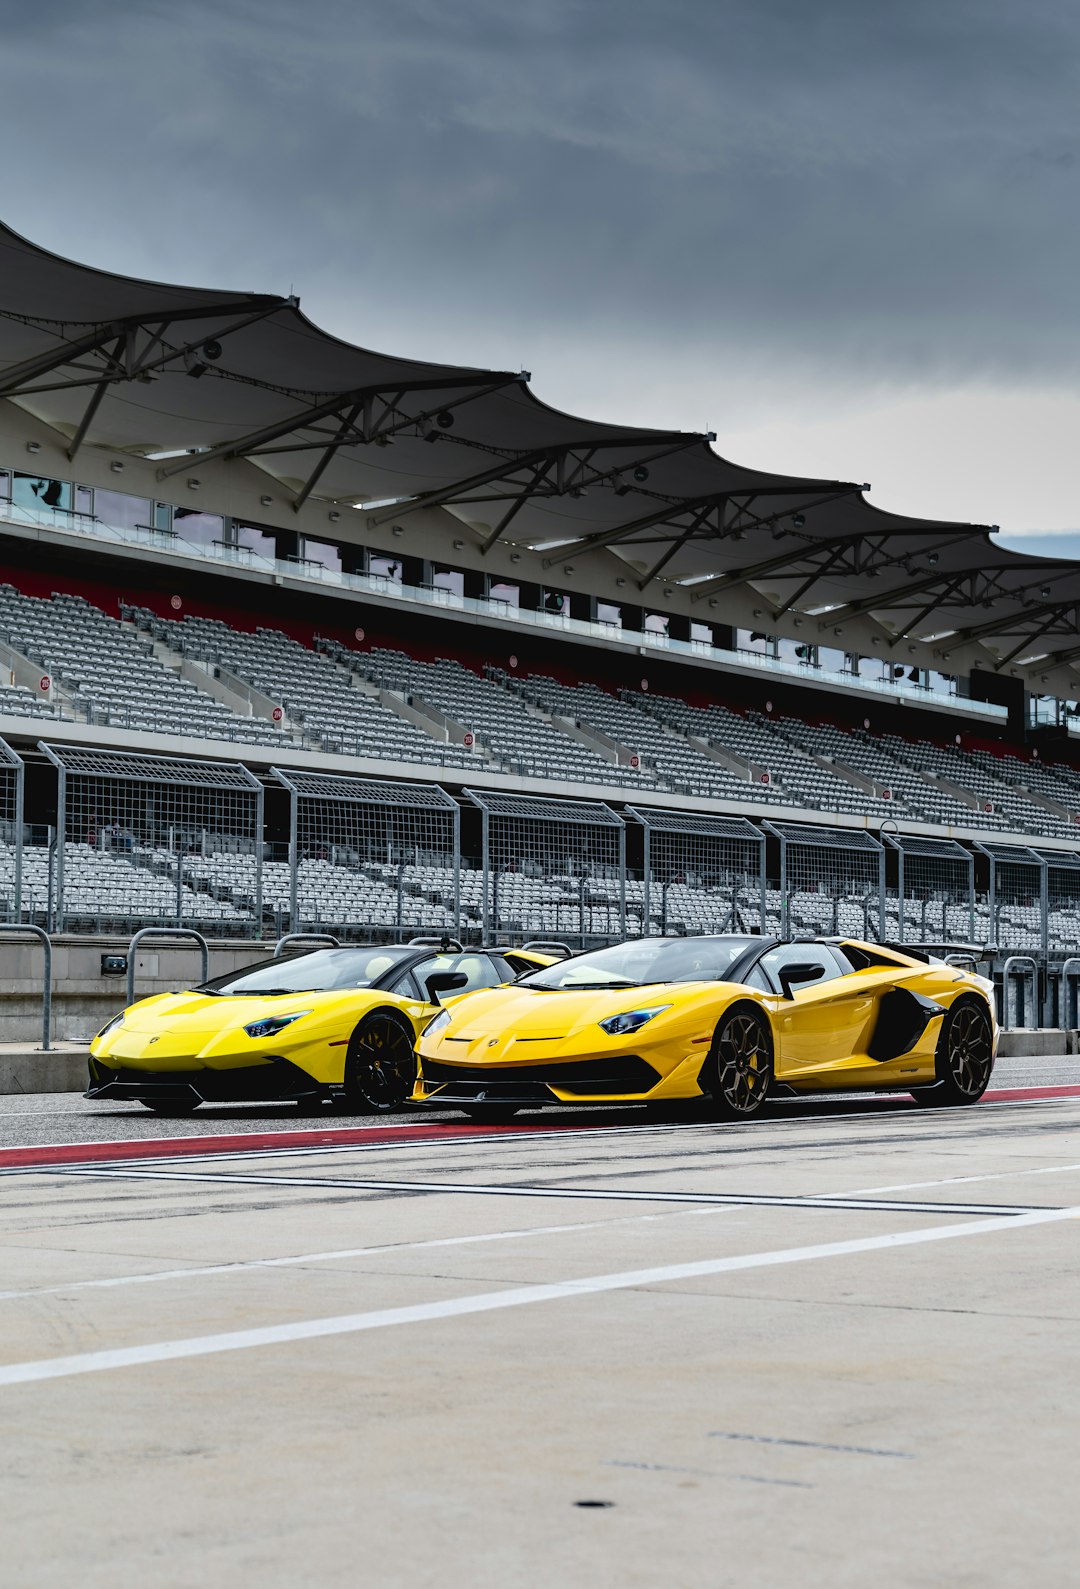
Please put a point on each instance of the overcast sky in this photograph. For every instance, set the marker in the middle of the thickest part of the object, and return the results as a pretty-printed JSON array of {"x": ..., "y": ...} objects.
[{"x": 844, "y": 234}]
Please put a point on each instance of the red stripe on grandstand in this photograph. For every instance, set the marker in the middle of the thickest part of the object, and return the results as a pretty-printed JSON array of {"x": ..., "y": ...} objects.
[{"x": 344, "y": 1136}]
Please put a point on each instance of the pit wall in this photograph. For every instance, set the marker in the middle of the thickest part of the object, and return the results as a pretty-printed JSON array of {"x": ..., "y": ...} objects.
[{"x": 83, "y": 997}]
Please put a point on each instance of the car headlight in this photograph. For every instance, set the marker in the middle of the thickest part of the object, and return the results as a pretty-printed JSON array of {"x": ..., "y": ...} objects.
[
  {"x": 271, "y": 1025},
  {"x": 436, "y": 1023},
  {"x": 630, "y": 1020},
  {"x": 110, "y": 1026}
]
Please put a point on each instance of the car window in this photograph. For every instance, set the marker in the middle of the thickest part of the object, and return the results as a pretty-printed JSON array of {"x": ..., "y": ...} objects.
[
  {"x": 756, "y": 978},
  {"x": 480, "y": 969},
  {"x": 516, "y": 965},
  {"x": 809, "y": 954},
  {"x": 406, "y": 987}
]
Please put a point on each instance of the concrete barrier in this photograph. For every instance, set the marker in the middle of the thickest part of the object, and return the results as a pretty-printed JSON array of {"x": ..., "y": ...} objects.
[
  {"x": 26, "y": 1069},
  {"x": 1021, "y": 1043}
]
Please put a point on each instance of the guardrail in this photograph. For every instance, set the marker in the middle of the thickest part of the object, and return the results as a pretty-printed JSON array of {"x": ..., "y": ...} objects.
[
  {"x": 46, "y": 987},
  {"x": 1070, "y": 1002},
  {"x": 1008, "y": 971},
  {"x": 164, "y": 932},
  {"x": 327, "y": 939}
]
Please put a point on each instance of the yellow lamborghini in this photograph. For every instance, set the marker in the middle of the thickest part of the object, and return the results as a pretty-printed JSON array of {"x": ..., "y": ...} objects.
[
  {"x": 333, "y": 1023},
  {"x": 731, "y": 1019}
]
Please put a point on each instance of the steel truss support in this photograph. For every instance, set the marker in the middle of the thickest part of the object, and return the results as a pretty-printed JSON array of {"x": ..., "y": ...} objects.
[
  {"x": 362, "y": 398},
  {"x": 122, "y": 332},
  {"x": 577, "y": 478}
]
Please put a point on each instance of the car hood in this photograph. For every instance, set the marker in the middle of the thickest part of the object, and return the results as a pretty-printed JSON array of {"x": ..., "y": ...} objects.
[
  {"x": 208, "y": 1012},
  {"x": 536, "y": 1014}
]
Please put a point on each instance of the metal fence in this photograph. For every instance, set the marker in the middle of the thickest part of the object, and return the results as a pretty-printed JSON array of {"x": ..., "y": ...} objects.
[
  {"x": 934, "y": 901},
  {"x": 12, "y": 778},
  {"x": 551, "y": 868},
  {"x": 1061, "y": 871},
  {"x": 700, "y": 874},
  {"x": 1014, "y": 916},
  {"x": 366, "y": 856},
  {"x": 832, "y": 880},
  {"x": 144, "y": 839}
]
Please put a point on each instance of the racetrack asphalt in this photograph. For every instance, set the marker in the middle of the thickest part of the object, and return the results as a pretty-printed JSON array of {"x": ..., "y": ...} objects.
[{"x": 833, "y": 1345}]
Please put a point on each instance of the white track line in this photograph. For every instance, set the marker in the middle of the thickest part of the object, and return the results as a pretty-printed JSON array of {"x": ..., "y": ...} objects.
[
  {"x": 493, "y": 1301},
  {"x": 299, "y": 1260}
]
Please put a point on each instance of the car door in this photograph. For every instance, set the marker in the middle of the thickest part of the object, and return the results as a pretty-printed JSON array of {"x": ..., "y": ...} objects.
[{"x": 823, "y": 1022}]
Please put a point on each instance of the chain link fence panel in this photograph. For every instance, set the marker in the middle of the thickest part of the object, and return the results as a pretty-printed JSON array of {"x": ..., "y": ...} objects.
[
  {"x": 1015, "y": 909},
  {"x": 934, "y": 901},
  {"x": 549, "y": 868},
  {"x": 701, "y": 873},
  {"x": 832, "y": 881},
  {"x": 146, "y": 840},
  {"x": 12, "y": 837},
  {"x": 367, "y": 858}
]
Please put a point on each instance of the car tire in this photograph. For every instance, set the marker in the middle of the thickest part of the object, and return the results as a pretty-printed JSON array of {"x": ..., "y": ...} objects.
[
  {"x": 176, "y": 1107},
  {"x": 380, "y": 1066},
  {"x": 739, "y": 1070},
  {"x": 964, "y": 1058}
]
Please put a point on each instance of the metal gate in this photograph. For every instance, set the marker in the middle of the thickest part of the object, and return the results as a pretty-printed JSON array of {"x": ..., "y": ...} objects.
[
  {"x": 367, "y": 857},
  {"x": 1016, "y": 897},
  {"x": 12, "y": 777},
  {"x": 935, "y": 893},
  {"x": 701, "y": 873},
  {"x": 146, "y": 840},
  {"x": 552, "y": 868},
  {"x": 832, "y": 880}
]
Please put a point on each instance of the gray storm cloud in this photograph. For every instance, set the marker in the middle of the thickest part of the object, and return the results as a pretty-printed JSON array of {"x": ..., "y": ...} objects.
[{"x": 886, "y": 190}]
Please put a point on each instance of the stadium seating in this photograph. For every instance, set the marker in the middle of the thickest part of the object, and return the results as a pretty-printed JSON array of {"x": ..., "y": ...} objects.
[{"x": 109, "y": 674}]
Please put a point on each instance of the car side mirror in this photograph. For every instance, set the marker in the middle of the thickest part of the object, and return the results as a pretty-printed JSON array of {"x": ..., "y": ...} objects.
[
  {"x": 444, "y": 982},
  {"x": 803, "y": 971}
]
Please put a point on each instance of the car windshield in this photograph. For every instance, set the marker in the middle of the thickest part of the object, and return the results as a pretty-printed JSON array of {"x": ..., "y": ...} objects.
[
  {"x": 317, "y": 972},
  {"x": 644, "y": 960}
]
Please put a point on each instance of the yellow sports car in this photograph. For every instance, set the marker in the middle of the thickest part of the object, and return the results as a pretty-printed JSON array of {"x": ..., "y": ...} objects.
[
  {"x": 333, "y": 1023},
  {"x": 731, "y": 1019}
]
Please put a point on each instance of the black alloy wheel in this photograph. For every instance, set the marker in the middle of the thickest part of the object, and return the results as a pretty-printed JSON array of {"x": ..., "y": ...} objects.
[
  {"x": 965, "y": 1057},
  {"x": 739, "y": 1070},
  {"x": 380, "y": 1068}
]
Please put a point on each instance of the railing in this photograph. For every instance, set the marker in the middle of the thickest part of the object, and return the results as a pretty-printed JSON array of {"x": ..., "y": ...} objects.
[
  {"x": 379, "y": 585},
  {"x": 325, "y": 938},
  {"x": 46, "y": 986},
  {"x": 1069, "y": 1014},
  {"x": 1008, "y": 971},
  {"x": 164, "y": 932}
]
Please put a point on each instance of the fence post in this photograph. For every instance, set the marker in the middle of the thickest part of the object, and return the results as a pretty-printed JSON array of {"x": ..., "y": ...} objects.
[{"x": 1006, "y": 972}]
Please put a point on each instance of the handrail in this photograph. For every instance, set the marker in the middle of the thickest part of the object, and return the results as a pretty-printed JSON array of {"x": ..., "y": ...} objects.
[
  {"x": 325, "y": 938},
  {"x": 46, "y": 988},
  {"x": 1073, "y": 960},
  {"x": 544, "y": 945},
  {"x": 447, "y": 945},
  {"x": 164, "y": 932},
  {"x": 1006, "y": 971}
]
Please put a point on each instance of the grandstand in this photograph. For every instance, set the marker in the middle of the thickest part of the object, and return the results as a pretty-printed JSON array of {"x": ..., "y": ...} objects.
[{"x": 299, "y": 636}]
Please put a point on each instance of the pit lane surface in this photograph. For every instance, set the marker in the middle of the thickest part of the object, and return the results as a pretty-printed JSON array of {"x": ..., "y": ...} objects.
[{"x": 831, "y": 1345}]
